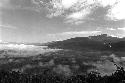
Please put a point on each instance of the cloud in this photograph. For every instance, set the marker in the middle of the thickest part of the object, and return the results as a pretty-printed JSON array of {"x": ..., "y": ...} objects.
[
  {"x": 77, "y": 17},
  {"x": 111, "y": 29},
  {"x": 79, "y": 32},
  {"x": 75, "y": 33},
  {"x": 123, "y": 29},
  {"x": 116, "y": 12},
  {"x": 73, "y": 11},
  {"x": 0, "y": 35},
  {"x": 78, "y": 10},
  {"x": 7, "y": 27},
  {"x": 68, "y": 3},
  {"x": 105, "y": 3},
  {"x": 3, "y": 3},
  {"x": 71, "y": 34}
]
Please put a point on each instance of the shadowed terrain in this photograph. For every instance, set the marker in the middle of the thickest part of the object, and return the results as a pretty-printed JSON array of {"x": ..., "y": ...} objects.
[{"x": 69, "y": 57}]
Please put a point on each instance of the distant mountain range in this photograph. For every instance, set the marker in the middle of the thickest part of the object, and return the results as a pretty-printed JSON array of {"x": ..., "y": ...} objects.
[{"x": 101, "y": 42}]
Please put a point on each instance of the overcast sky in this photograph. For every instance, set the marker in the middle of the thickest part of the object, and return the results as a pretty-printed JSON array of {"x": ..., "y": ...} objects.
[{"x": 48, "y": 20}]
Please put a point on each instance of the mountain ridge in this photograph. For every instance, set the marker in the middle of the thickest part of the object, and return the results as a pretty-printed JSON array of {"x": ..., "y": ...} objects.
[{"x": 101, "y": 42}]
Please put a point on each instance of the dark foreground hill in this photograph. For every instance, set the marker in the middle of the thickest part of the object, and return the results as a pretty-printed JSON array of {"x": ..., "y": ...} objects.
[
  {"x": 49, "y": 77},
  {"x": 92, "y": 43}
]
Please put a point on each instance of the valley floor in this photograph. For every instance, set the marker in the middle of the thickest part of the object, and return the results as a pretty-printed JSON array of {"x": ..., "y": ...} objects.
[{"x": 65, "y": 62}]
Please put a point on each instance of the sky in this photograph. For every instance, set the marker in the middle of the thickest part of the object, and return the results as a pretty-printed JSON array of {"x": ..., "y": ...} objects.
[{"x": 53, "y": 20}]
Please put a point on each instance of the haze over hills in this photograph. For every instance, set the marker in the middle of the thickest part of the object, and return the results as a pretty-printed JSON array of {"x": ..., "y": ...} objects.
[
  {"x": 22, "y": 50},
  {"x": 101, "y": 42},
  {"x": 71, "y": 56}
]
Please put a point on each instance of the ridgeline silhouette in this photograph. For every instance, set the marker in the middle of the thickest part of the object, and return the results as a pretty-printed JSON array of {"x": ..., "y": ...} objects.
[{"x": 95, "y": 43}]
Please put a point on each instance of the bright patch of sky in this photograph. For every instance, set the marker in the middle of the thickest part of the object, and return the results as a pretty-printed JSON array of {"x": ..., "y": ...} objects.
[{"x": 117, "y": 12}]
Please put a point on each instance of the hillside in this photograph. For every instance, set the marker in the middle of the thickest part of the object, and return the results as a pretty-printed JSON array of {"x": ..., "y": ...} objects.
[{"x": 94, "y": 43}]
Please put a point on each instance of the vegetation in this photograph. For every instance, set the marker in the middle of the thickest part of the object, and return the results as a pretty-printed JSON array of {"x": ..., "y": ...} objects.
[{"x": 50, "y": 77}]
